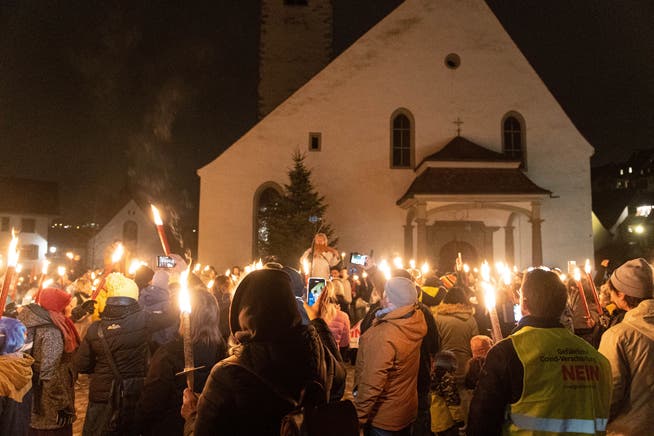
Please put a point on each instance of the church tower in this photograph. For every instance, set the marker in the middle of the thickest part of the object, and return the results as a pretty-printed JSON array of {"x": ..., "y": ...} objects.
[{"x": 295, "y": 43}]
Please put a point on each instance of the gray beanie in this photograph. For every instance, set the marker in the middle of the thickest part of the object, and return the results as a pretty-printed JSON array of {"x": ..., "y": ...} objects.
[
  {"x": 634, "y": 278},
  {"x": 400, "y": 292}
]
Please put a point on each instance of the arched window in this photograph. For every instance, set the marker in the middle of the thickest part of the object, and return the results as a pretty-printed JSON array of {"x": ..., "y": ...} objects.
[
  {"x": 513, "y": 136},
  {"x": 402, "y": 139},
  {"x": 266, "y": 199}
]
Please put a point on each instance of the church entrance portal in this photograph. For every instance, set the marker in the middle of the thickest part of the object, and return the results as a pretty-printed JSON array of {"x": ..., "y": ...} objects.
[{"x": 449, "y": 252}]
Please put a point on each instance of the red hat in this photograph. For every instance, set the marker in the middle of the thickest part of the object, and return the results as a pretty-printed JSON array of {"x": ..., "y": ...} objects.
[{"x": 54, "y": 299}]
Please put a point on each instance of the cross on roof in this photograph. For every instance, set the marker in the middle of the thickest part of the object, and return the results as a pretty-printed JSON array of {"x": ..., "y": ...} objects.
[{"x": 458, "y": 123}]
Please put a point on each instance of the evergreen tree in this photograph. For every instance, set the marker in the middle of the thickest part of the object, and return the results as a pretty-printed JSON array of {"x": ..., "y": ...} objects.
[{"x": 286, "y": 229}]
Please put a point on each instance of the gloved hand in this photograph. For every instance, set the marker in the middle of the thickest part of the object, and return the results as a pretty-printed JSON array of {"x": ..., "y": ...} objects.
[
  {"x": 65, "y": 417},
  {"x": 80, "y": 311}
]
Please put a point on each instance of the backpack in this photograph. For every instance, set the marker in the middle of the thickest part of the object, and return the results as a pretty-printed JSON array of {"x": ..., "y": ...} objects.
[{"x": 312, "y": 415}]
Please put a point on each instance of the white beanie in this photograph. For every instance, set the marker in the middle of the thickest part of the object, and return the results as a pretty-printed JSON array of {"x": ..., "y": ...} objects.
[{"x": 400, "y": 292}]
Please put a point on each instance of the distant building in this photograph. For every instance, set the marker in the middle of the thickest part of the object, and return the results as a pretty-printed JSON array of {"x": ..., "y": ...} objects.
[
  {"x": 27, "y": 206},
  {"x": 430, "y": 135},
  {"x": 623, "y": 201},
  {"x": 132, "y": 226}
]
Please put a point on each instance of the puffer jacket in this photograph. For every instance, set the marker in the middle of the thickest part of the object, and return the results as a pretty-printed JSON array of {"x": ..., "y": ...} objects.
[
  {"x": 127, "y": 329},
  {"x": 237, "y": 403},
  {"x": 387, "y": 369},
  {"x": 456, "y": 326},
  {"x": 53, "y": 385},
  {"x": 629, "y": 347}
]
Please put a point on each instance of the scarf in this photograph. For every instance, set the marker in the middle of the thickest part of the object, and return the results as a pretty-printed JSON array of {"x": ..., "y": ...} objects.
[{"x": 55, "y": 301}]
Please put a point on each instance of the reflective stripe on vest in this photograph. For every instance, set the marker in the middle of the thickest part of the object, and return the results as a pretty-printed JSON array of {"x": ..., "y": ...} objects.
[
  {"x": 588, "y": 426},
  {"x": 566, "y": 388}
]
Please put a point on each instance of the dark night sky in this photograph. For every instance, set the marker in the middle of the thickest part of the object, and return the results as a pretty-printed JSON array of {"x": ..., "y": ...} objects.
[{"x": 96, "y": 93}]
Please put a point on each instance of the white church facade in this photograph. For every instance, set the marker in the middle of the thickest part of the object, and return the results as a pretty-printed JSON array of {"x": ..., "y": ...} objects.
[{"x": 430, "y": 135}]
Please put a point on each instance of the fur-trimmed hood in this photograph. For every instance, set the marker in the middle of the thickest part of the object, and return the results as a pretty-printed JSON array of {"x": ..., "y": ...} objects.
[{"x": 461, "y": 311}]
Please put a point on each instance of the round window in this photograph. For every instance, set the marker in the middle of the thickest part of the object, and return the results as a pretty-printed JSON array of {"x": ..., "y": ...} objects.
[{"x": 452, "y": 61}]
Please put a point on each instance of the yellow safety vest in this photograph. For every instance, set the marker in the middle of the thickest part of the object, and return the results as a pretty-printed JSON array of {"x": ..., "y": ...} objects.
[{"x": 566, "y": 388}]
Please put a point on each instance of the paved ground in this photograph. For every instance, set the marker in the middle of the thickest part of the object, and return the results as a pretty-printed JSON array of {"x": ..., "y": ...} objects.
[{"x": 82, "y": 397}]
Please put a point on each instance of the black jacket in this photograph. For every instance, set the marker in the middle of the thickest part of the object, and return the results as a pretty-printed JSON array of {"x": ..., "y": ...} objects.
[
  {"x": 234, "y": 402},
  {"x": 161, "y": 400},
  {"x": 127, "y": 329},
  {"x": 500, "y": 383}
]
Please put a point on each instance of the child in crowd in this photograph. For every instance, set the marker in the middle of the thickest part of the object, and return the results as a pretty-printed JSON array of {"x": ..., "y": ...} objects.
[
  {"x": 446, "y": 412},
  {"x": 479, "y": 345}
]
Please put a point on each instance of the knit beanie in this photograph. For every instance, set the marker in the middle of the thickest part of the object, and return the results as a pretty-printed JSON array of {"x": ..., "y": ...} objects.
[
  {"x": 445, "y": 359},
  {"x": 160, "y": 279},
  {"x": 480, "y": 344},
  {"x": 400, "y": 292},
  {"x": 634, "y": 278},
  {"x": 117, "y": 285},
  {"x": 143, "y": 276},
  {"x": 12, "y": 335},
  {"x": 54, "y": 299}
]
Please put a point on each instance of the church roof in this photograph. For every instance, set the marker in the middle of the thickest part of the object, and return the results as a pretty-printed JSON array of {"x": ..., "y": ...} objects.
[
  {"x": 461, "y": 149},
  {"x": 472, "y": 181},
  {"x": 26, "y": 196}
]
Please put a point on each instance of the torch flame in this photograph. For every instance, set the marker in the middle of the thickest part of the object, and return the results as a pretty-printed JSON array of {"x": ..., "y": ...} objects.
[
  {"x": 587, "y": 266},
  {"x": 412, "y": 264},
  {"x": 157, "y": 218},
  {"x": 197, "y": 267},
  {"x": 258, "y": 265},
  {"x": 44, "y": 268},
  {"x": 47, "y": 283},
  {"x": 466, "y": 268},
  {"x": 70, "y": 255},
  {"x": 364, "y": 274},
  {"x": 19, "y": 268},
  {"x": 184, "y": 299},
  {"x": 12, "y": 256},
  {"x": 385, "y": 269},
  {"x": 210, "y": 284},
  {"x": 577, "y": 275},
  {"x": 118, "y": 253},
  {"x": 485, "y": 271},
  {"x": 228, "y": 273},
  {"x": 489, "y": 295},
  {"x": 398, "y": 262},
  {"x": 424, "y": 268},
  {"x": 133, "y": 266},
  {"x": 61, "y": 270}
]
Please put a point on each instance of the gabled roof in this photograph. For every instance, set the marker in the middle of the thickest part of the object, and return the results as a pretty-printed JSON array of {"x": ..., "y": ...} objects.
[
  {"x": 27, "y": 196},
  {"x": 472, "y": 181},
  {"x": 460, "y": 149}
]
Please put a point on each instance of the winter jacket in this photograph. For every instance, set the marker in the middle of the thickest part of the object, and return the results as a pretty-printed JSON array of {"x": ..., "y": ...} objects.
[
  {"x": 127, "y": 329},
  {"x": 502, "y": 380},
  {"x": 629, "y": 347},
  {"x": 340, "y": 328},
  {"x": 234, "y": 402},
  {"x": 445, "y": 404},
  {"x": 224, "y": 300},
  {"x": 53, "y": 379},
  {"x": 161, "y": 400},
  {"x": 15, "y": 393},
  {"x": 154, "y": 299},
  {"x": 456, "y": 326},
  {"x": 387, "y": 369}
]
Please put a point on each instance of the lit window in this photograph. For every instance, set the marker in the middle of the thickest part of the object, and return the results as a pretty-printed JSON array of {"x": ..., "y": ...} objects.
[
  {"x": 643, "y": 211},
  {"x": 630, "y": 170},
  {"x": 621, "y": 172}
]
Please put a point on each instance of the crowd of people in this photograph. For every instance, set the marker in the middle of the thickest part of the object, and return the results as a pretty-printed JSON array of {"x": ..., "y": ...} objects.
[{"x": 419, "y": 343}]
